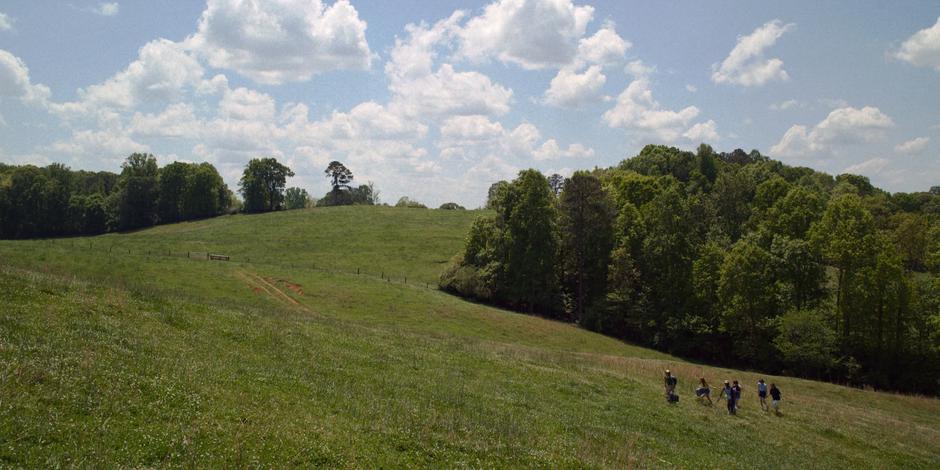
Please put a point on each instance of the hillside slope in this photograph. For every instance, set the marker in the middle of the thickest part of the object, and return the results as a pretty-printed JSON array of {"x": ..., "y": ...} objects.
[{"x": 133, "y": 350}]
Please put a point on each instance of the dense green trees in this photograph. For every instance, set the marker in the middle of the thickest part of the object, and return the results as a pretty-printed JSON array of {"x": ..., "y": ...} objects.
[
  {"x": 262, "y": 185},
  {"x": 723, "y": 256},
  {"x": 296, "y": 198},
  {"x": 55, "y": 201}
]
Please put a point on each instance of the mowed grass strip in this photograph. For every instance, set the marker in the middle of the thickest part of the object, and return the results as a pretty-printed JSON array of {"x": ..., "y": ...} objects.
[{"x": 162, "y": 361}]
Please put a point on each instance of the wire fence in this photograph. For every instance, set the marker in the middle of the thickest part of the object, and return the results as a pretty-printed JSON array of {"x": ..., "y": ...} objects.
[{"x": 113, "y": 250}]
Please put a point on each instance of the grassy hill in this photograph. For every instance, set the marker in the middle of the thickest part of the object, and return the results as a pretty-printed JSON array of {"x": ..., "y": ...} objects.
[{"x": 133, "y": 350}]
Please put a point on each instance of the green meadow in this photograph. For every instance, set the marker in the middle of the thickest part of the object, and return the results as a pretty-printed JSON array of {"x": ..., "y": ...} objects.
[{"x": 323, "y": 342}]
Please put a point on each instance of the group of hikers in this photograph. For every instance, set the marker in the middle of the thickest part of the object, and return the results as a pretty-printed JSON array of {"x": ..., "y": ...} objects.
[{"x": 731, "y": 393}]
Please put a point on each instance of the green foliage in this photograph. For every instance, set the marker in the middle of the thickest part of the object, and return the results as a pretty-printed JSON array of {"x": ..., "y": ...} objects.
[
  {"x": 807, "y": 344},
  {"x": 586, "y": 236},
  {"x": 405, "y": 201},
  {"x": 339, "y": 175},
  {"x": 262, "y": 185},
  {"x": 137, "y": 192},
  {"x": 296, "y": 198},
  {"x": 452, "y": 206},
  {"x": 748, "y": 290}
]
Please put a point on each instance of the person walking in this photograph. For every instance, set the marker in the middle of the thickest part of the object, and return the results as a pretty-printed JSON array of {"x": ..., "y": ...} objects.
[
  {"x": 728, "y": 394},
  {"x": 775, "y": 399},
  {"x": 670, "y": 382},
  {"x": 736, "y": 392},
  {"x": 704, "y": 391},
  {"x": 762, "y": 393}
]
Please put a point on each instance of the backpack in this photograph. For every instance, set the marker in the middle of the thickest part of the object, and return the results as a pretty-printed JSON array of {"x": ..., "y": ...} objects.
[{"x": 673, "y": 398}]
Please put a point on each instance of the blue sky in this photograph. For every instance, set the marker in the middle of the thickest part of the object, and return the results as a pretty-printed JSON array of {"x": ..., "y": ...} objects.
[{"x": 436, "y": 100}]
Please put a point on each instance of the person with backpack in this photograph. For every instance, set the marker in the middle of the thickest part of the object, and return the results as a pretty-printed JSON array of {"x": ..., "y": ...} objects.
[
  {"x": 670, "y": 382},
  {"x": 775, "y": 399},
  {"x": 762, "y": 393},
  {"x": 728, "y": 394}
]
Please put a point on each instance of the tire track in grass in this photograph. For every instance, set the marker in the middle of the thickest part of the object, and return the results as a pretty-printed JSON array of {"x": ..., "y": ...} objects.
[{"x": 258, "y": 282}]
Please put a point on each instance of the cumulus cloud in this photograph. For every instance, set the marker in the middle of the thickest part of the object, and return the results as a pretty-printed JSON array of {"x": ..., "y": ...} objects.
[
  {"x": 161, "y": 72},
  {"x": 276, "y": 41},
  {"x": 111, "y": 145},
  {"x": 582, "y": 81},
  {"x": 915, "y": 146},
  {"x": 15, "y": 81},
  {"x": 420, "y": 90},
  {"x": 107, "y": 8},
  {"x": 605, "y": 47},
  {"x": 703, "y": 132},
  {"x": 6, "y": 23},
  {"x": 533, "y": 34},
  {"x": 691, "y": 88},
  {"x": 176, "y": 121},
  {"x": 923, "y": 48},
  {"x": 636, "y": 110},
  {"x": 570, "y": 89},
  {"x": 638, "y": 69},
  {"x": 841, "y": 127},
  {"x": 746, "y": 65},
  {"x": 475, "y": 137}
]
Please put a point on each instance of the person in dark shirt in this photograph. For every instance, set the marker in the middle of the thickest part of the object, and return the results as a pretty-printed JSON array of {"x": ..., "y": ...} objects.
[
  {"x": 736, "y": 391},
  {"x": 728, "y": 393},
  {"x": 775, "y": 398},
  {"x": 704, "y": 391},
  {"x": 670, "y": 382}
]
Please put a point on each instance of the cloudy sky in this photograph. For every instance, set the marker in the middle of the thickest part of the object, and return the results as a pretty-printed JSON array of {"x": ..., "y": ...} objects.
[{"x": 437, "y": 99}]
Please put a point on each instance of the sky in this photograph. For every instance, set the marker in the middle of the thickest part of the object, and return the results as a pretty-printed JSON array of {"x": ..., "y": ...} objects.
[{"x": 436, "y": 100}]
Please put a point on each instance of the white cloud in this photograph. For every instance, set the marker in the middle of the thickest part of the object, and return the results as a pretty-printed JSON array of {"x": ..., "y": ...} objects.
[
  {"x": 691, "y": 88},
  {"x": 6, "y": 23},
  {"x": 533, "y": 34},
  {"x": 913, "y": 147},
  {"x": 605, "y": 47},
  {"x": 872, "y": 166},
  {"x": 570, "y": 89},
  {"x": 160, "y": 74},
  {"x": 107, "y": 8},
  {"x": 111, "y": 145},
  {"x": 276, "y": 41},
  {"x": 176, "y": 121},
  {"x": 703, "y": 132},
  {"x": 638, "y": 69},
  {"x": 15, "y": 81},
  {"x": 746, "y": 65},
  {"x": 785, "y": 105},
  {"x": 637, "y": 110},
  {"x": 422, "y": 92},
  {"x": 474, "y": 137},
  {"x": 843, "y": 126},
  {"x": 923, "y": 48}
]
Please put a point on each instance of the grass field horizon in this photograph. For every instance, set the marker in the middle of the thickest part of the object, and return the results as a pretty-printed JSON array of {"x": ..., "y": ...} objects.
[{"x": 284, "y": 355}]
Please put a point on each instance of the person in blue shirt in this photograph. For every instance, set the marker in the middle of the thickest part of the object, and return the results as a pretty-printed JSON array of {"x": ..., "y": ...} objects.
[{"x": 762, "y": 393}]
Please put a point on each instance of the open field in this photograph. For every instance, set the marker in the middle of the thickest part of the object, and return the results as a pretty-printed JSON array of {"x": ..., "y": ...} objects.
[{"x": 284, "y": 356}]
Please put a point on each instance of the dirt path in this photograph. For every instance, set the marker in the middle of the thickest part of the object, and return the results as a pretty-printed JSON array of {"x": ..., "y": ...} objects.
[{"x": 259, "y": 284}]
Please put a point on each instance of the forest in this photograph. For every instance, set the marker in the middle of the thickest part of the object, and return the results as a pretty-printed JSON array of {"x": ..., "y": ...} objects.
[{"x": 732, "y": 258}]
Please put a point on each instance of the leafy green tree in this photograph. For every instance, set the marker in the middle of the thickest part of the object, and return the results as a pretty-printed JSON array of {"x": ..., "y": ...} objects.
[
  {"x": 172, "y": 184},
  {"x": 794, "y": 214},
  {"x": 910, "y": 236},
  {"x": 845, "y": 238},
  {"x": 296, "y": 198},
  {"x": 405, "y": 201},
  {"x": 706, "y": 275},
  {"x": 137, "y": 193},
  {"x": 532, "y": 248},
  {"x": 452, "y": 206},
  {"x": 496, "y": 194},
  {"x": 807, "y": 344},
  {"x": 262, "y": 185},
  {"x": 339, "y": 175},
  {"x": 586, "y": 239},
  {"x": 748, "y": 292},
  {"x": 204, "y": 192}
]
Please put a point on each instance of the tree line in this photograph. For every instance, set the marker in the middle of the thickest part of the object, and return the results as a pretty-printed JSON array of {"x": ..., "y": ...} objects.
[
  {"x": 731, "y": 257},
  {"x": 55, "y": 200}
]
